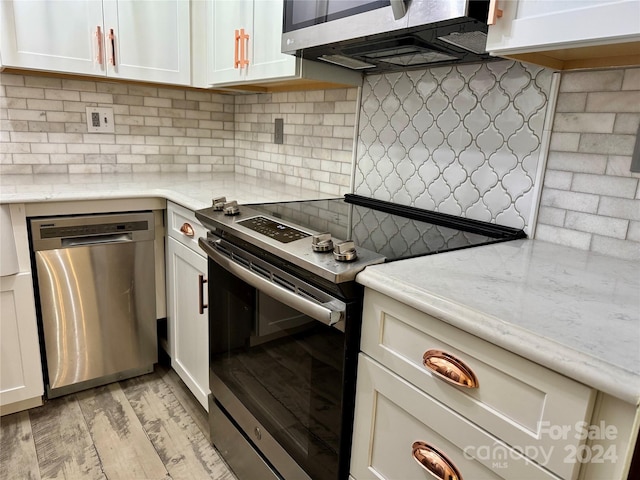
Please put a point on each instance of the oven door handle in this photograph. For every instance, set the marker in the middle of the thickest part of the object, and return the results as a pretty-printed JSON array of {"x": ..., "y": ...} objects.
[{"x": 331, "y": 313}]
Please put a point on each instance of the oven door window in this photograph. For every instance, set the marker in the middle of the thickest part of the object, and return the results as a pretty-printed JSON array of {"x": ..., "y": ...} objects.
[{"x": 285, "y": 368}]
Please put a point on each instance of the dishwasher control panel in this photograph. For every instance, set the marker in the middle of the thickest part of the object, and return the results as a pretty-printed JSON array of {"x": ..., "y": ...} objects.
[{"x": 54, "y": 231}]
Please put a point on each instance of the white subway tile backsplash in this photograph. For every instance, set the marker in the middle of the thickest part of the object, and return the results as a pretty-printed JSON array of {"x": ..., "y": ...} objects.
[
  {"x": 558, "y": 179},
  {"x": 609, "y": 144},
  {"x": 565, "y": 142},
  {"x": 53, "y": 110},
  {"x": 606, "y": 226},
  {"x": 623, "y": 101},
  {"x": 592, "y": 81},
  {"x": 601, "y": 169},
  {"x": 619, "y": 208},
  {"x": 563, "y": 236},
  {"x": 577, "y": 162},
  {"x": 571, "y": 102},
  {"x": 633, "y": 233},
  {"x": 605, "y": 185},
  {"x": 584, "y": 122},
  {"x": 577, "y": 202},
  {"x": 614, "y": 247},
  {"x": 626, "y": 123},
  {"x": 551, "y": 216},
  {"x": 631, "y": 79}
]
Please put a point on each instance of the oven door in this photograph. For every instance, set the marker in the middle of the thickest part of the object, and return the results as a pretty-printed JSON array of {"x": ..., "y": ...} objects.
[{"x": 277, "y": 368}]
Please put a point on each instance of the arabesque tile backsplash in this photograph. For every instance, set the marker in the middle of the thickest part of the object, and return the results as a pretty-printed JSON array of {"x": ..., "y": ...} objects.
[{"x": 463, "y": 140}]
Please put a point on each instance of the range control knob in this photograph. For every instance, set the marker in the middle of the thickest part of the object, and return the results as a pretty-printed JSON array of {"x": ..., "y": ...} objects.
[
  {"x": 322, "y": 242},
  {"x": 345, "y": 251},
  {"x": 218, "y": 203},
  {"x": 231, "y": 208}
]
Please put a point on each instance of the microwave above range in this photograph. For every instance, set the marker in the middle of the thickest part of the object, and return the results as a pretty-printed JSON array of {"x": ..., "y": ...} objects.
[{"x": 376, "y": 36}]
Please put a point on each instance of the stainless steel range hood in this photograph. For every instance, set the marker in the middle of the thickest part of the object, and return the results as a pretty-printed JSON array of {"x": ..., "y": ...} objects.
[{"x": 420, "y": 34}]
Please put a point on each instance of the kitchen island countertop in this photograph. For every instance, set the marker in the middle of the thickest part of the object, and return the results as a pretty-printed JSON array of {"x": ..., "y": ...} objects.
[{"x": 572, "y": 311}]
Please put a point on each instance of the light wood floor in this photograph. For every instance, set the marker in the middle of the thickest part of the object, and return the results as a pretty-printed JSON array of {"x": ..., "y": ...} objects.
[{"x": 148, "y": 427}]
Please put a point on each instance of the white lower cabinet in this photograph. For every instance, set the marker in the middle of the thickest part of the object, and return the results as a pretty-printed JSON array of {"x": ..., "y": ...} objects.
[
  {"x": 20, "y": 369},
  {"x": 188, "y": 326},
  {"x": 21, "y": 384},
  {"x": 469, "y": 409},
  {"x": 392, "y": 416}
]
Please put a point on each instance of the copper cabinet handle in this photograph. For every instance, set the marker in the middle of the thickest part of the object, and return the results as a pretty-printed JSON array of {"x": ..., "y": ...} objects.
[
  {"x": 450, "y": 368},
  {"x": 244, "y": 48},
  {"x": 112, "y": 40},
  {"x": 434, "y": 462},
  {"x": 201, "y": 304},
  {"x": 494, "y": 12},
  {"x": 99, "y": 42},
  {"x": 187, "y": 230},
  {"x": 236, "y": 41}
]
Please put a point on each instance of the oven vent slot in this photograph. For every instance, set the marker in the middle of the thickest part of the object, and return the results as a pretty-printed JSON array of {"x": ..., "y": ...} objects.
[
  {"x": 310, "y": 296},
  {"x": 223, "y": 250},
  {"x": 241, "y": 260},
  {"x": 260, "y": 271},
  {"x": 282, "y": 282}
]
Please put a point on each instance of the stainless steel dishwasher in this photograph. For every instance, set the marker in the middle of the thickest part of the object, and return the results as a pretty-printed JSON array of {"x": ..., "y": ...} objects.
[{"x": 96, "y": 286}]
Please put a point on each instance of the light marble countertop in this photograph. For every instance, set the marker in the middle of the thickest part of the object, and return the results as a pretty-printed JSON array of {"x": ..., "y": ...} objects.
[
  {"x": 573, "y": 311},
  {"x": 191, "y": 190}
]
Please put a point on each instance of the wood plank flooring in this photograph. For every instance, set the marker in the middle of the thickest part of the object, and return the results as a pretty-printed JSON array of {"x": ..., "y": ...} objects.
[{"x": 144, "y": 428}]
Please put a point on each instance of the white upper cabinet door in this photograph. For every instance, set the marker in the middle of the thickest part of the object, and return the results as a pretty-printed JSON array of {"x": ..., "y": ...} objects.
[
  {"x": 148, "y": 40},
  {"x": 532, "y": 26},
  {"x": 227, "y": 20},
  {"x": 266, "y": 60},
  {"x": 59, "y": 36}
]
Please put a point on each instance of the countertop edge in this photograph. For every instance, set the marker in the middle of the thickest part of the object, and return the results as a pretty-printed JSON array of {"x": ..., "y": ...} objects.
[{"x": 600, "y": 375}]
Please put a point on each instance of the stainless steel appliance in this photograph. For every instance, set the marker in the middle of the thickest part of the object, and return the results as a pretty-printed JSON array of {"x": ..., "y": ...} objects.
[
  {"x": 96, "y": 290},
  {"x": 285, "y": 317},
  {"x": 377, "y": 35}
]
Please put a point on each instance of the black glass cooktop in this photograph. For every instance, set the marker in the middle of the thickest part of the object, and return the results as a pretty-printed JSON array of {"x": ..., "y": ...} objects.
[{"x": 395, "y": 231}]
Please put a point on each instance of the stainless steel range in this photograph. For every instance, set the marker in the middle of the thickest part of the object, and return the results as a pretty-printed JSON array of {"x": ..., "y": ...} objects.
[{"x": 285, "y": 317}]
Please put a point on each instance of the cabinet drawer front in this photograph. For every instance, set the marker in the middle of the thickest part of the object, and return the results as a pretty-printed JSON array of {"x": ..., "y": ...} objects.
[
  {"x": 178, "y": 216},
  {"x": 518, "y": 401},
  {"x": 391, "y": 414}
]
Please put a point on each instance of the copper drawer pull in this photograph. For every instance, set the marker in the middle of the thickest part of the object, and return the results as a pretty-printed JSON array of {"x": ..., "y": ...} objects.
[
  {"x": 99, "y": 56},
  {"x": 450, "y": 369},
  {"x": 434, "y": 462},
  {"x": 112, "y": 40},
  {"x": 201, "y": 304},
  {"x": 236, "y": 46},
  {"x": 244, "y": 48},
  {"x": 494, "y": 12},
  {"x": 187, "y": 230}
]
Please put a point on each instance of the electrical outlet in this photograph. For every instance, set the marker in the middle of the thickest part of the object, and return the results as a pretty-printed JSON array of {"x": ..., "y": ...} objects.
[
  {"x": 278, "y": 131},
  {"x": 100, "y": 120}
]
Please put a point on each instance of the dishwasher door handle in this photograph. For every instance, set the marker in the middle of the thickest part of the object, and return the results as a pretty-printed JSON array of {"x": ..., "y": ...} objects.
[{"x": 97, "y": 240}]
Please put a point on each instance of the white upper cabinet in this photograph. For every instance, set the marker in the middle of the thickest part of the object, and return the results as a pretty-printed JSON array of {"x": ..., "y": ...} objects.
[
  {"x": 244, "y": 37},
  {"x": 137, "y": 40},
  {"x": 243, "y": 42},
  {"x": 151, "y": 40},
  {"x": 58, "y": 36},
  {"x": 568, "y": 34}
]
